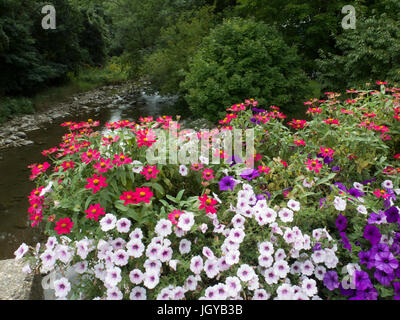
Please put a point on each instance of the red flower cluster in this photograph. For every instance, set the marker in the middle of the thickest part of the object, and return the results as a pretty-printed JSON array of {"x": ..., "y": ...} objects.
[
  {"x": 298, "y": 124},
  {"x": 140, "y": 195},
  {"x": 38, "y": 169}
]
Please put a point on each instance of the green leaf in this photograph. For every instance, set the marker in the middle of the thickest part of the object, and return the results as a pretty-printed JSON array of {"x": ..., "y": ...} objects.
[
  {"x": 180, "y": 194},
  {"x": 120, "y": 206},
  {"x": 171, "y": 198},
  {"x": 326, "y": 179},
  {"x": 156, "y": 186}
]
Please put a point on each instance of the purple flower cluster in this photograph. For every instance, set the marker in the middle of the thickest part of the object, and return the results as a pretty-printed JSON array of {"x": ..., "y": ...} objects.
[{"x": 341, "y": 225}]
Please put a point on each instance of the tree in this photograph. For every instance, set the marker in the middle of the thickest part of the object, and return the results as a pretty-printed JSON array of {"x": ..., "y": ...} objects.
[
  {"x": 243, "y": 59},
  {"x": 177, "y": 44},
  {"x": 369, "y": 53}
]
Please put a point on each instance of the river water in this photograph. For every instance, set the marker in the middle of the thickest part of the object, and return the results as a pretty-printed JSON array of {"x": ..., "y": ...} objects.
[{"x": 15, "y": 185}]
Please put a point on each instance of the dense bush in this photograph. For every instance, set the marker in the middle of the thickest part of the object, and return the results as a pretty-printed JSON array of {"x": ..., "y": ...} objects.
[
  {"x": 371, "y": 51},
  {"x": 10, "y": 107},
  {"x": 242, "y": 58},
  {"x": 32, "y": 58},
  {"x": 177, "y": 44},
  {"x": 317, "y": 217}
]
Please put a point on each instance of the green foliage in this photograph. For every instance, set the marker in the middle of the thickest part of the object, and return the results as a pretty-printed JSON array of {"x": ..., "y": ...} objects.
[
  {"x": 14, "y": 106},
  {"x": 370, "y": 52},
  {"x": 242, "y": 58},
  {"x": 32, "y": 58},
  {"x": 178, "y": 43},
  {"x": 307, "y": 24}
]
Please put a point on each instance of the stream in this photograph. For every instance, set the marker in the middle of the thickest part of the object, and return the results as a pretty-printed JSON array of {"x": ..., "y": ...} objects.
[{"x": 15, "y": 185}]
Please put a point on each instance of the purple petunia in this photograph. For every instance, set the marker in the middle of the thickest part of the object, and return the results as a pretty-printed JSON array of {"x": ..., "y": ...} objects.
[
  {"x": 376, "y": 218},
  {"x": 317, "y": 247},
  {"x": 260, "y": 197},
  {"x": 341, "y": 186},
  {"x": 341, "y": 222},
  {"x": 386, "y": 262},
  {"x": 331, "y": 280},
  {"x": 227, "y": 183},
  {"x": 346, "y": 242},
  {"x": 392, "y": 215},
  {"x": 234, "y": 160},
  {"x": 392, "y": 197},
  {"x": 250, "y": 174},
  {"x": 355, "y": 192},
  {"x": 323, "y": 203},
  {"x": 362, "y": 280},
  {"x": 368, "y": 181},
  {"x": 383, "y": 277},
  {"x": 367, "y": 258},
  {"x": 346, "y": 292},
  {"x": 372, "y": 234}
]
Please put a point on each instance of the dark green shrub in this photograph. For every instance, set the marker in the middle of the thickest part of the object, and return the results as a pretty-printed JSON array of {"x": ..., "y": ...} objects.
[
  {"x": 240, "y": 59},
  {"x": 10, "y": 107}
]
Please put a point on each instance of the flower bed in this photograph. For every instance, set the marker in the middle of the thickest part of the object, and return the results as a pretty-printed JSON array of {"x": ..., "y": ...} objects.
[{"x": 315, "y": 218}]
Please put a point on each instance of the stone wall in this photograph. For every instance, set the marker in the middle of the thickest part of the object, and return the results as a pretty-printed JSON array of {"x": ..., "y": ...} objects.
[{"x": 16, "y": 285}]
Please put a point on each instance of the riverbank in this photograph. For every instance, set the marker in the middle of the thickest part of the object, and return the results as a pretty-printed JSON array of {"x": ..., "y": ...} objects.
[{"x": 14, "y": 133}]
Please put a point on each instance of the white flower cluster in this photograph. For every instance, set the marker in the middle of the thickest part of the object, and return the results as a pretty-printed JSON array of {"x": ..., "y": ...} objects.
[{"x": 286, "y": 253}]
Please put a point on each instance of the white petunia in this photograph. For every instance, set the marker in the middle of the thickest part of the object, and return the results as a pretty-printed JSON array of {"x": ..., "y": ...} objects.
[
  {"x": 136, "y": 276},
  {"x": 186, "y": 221},
  {"x": 62, "y": 287},
  {"x": 293, "y": 205},
  {"x": 151, "y": 280},
  {"x": 184, "y": 246},
  {"x": 21, "y": 251},
  {"x": 309, "y": 287},
  {"x": 163, "y": 228},
  {"x": 138, "y": 293},
  {"x": 123, "y": 225},
  {"x": 135, "y": 248},
  {"x": 245, "y": 273},
  {"x": 340, "y": 204},
  {"x": 211, "y": 268},
  {"x": 196, "y": 264},
  {"x": 183, "y": 170},
  {"x": 281, "y": 268},
  {"x": 108, "y": 222},
  {"x": 137, "y": 166}
]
